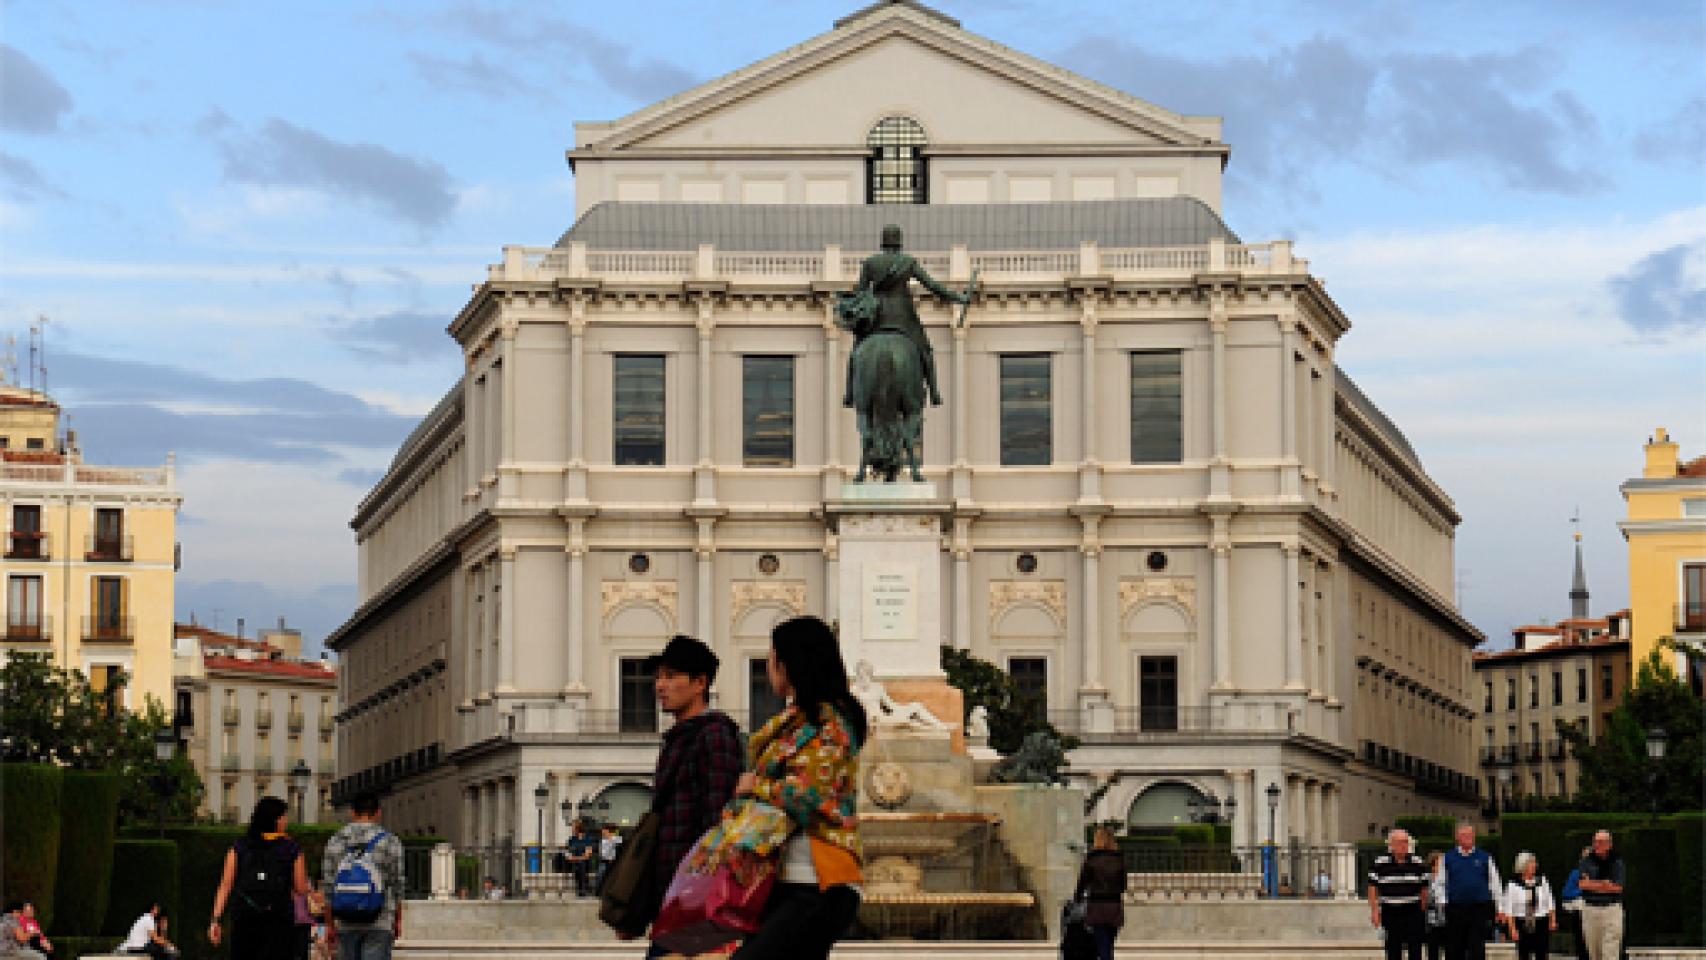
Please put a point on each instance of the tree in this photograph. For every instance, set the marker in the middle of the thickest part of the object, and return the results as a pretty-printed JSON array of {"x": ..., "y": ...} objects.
[
  {"x": 1012, "y": 716},
  {"x": 1615, "y": 768},
  {"x": 55, "y": 716}
]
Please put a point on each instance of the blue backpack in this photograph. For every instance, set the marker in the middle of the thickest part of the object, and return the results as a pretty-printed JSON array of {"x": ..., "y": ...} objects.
[{"x": 358, "y": 892}]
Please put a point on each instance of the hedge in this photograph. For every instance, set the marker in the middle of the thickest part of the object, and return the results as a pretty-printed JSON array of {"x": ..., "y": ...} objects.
[
  {"x": 1649, "y": 856},
  {"x": 30, "y": 796},
  {"x": 1557, "y": 838},
  {"x": 1418, "y": 825},
  {"x": 143, "y": 871},
  {"x": 88, "y": 825},
  {"x": 1690, "y": 897}
]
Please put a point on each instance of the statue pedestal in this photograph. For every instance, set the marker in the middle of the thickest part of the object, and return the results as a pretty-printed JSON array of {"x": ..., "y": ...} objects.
[{"x": 889, "y": 538}]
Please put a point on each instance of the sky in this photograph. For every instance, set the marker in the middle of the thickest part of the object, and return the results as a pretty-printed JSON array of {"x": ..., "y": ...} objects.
[{"x": 248, "y": 225}]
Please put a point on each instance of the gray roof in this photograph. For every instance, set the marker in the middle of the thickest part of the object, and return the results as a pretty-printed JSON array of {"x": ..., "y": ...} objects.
[
  {"x": 1381, "y": 421},
  {"x": 1166, "y": 222}
]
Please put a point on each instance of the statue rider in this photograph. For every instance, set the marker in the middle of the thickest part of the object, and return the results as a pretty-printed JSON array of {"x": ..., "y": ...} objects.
[{"x": 888, "y": 275}]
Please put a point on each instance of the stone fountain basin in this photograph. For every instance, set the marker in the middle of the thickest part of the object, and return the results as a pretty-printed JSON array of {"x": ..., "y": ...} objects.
[{"x": 897, "y": 844}]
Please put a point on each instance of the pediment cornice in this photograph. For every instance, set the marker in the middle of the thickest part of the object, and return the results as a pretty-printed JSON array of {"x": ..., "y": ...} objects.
[{"x": 878, "y": 26}]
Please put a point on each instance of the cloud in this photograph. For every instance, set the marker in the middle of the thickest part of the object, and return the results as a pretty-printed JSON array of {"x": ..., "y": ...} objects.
[
  {"x": 218, "y": 604},
  {"x": 1679, "y": 137},
  {"x": 399, "y": 337},
  {"x": 521, "y": 29},
  {"x": 474, "y": 75},
  {"x": 22, "y": 181},
  {"x": 1665, "y": 291},
  {"x": 31, "y": 100},
  {"x": 282, "y": 154},
  {"x": 133, "y": 412},
  {"x": 1289, "y": 109}
]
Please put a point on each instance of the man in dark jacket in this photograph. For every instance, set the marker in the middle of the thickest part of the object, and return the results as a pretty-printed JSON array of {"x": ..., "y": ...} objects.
[{"x": 700, "y": 760}]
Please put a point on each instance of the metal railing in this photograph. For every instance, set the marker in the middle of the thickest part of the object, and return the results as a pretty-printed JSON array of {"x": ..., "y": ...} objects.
[
  {"x": 99, "y": 549},
  {"x": 1556, "y": 749},
  {"x": 230, "y": 761},
  {"x": 263, "y": 720},
  {"x": 295, "y": 722},
  {"x": 232, "y": 716},
  {"x": 263, "y": 764},
  {"x": 327, "y": 725},
  {"x": 29, "y": 629},
  {"x": 1288, "y": 870},
  {"x": 105, "y": 628},
  {"x": 29, "y": 545},
  {"x": 523, "y": 871}
]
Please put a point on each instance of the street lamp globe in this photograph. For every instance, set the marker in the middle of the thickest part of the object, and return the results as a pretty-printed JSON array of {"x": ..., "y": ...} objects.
[
  {"x": 1656, "y": 743},
  {"x": 568, "y": 812},
  {"x": 165, "y": 744},
  {"x": 1273, "y": 792},
  {"x": 541, "y": 796}
]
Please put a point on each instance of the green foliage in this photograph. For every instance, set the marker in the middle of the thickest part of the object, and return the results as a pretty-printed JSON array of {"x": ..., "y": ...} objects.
[
  {"x": 88, "y": 824},
  {"x": 1690, "y": 829},
  {"x": 30, "y": 796},
  {"x": 51, "y": 715},
  {"x": 1012, "y": 716},
  {"x": 1201, "y": 834},
  {"x": 1652, "y": 908},
  {"x": 1426, "y": 826},
  {"x": 142, "y": 871},
  {"x": 1616, "y": 773}
]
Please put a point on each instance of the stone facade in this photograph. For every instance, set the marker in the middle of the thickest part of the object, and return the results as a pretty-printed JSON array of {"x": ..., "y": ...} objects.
[{"x": 1254, "y": 607}]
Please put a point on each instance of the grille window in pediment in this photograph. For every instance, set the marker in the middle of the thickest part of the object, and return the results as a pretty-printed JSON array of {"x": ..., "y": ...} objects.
[{"x": 895, "y": 172}]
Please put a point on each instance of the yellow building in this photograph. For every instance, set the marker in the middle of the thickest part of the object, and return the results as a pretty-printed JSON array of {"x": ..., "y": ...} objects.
[
  {"x": 1666, "y": 530},
  {"x": 89, "y": 553}
]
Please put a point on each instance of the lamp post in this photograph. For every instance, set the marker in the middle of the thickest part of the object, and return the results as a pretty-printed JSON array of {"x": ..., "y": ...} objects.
[
  {"x": 541, "y": 800},
  {"x": 1270, "y": 864},
  {"x": 300, "y": 777},
  {"x": 1655, "y": 769},
  {"x": 165, "y": 748},
  {"x": 1503, "y": 799}
]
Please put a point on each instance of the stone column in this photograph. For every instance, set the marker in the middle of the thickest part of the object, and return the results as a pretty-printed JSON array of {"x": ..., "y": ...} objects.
[
  {"x": 1220, "y": 584},
  {"x": 470, "y": 833},
  {"x": 506, "y": 619},
  {"x": 472, "y": 639},
  {"x": 831, "y": 575},
  {"x": 576, "y": 486},
  {"x": 1220, "y": 471},
  {"x": 1329, "y": 653},
  {"x": 1089, "y": 473},
  {"x": 1317, "y": 834},
  {"x": 1091, "y": 689},
  {"x": 443, "y": 871},
  {"x": 574, "y": 670},
  {"x": 1238, "y": 789},
  {"x": 704, "y": 478},
  {"x": 506, "y": 809},
  {"x": 959, "y": 395},
  {"x": 1306, "y": 416},
  {"x": 832, "y": 391},
  {"x": 1293, "y": 621},
  {"x": 1296, "y": 820}
]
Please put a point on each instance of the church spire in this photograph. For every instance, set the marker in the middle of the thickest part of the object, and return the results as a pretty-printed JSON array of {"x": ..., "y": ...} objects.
[{"x": 1579, "y": 585}]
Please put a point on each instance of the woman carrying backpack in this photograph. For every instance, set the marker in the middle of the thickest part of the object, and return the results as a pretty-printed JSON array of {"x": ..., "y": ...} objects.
[{"x": 263, "y": 874}]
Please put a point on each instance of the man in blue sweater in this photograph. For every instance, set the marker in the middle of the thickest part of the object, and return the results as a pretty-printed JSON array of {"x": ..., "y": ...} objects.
[{"x": 1471, "y": 897}]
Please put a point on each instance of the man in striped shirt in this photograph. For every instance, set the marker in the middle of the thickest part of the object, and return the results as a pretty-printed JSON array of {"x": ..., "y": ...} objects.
[{"x": 1398, "y": 897}]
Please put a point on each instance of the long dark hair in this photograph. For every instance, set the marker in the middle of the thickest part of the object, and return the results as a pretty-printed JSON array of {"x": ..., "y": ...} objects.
[
  {"x": 265, "y": 818},
  {"x": 811, "y": 656}
]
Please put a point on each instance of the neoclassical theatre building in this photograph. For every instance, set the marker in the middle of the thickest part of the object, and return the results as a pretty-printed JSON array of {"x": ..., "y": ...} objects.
[{"x": 1165, "y": 509}]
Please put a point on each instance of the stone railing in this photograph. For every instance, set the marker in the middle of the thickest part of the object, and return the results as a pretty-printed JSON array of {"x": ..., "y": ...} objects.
[
  {"x": 832, "y": 264},
  {"x": 89, "y": 474}
]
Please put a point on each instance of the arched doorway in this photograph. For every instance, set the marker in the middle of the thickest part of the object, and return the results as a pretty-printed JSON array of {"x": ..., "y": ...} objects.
[
  {"x": 628, "y": 802},
  {"x": 1163, "y": 805}
]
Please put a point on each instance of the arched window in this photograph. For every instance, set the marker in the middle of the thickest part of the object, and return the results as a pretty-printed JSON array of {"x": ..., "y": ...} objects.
[
  {"x": 1163, "y": 804},
  {"x": 895, "y": 172}
]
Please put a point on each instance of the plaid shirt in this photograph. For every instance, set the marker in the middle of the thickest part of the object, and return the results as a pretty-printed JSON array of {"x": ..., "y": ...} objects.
[{"x": 698, "y": 765}]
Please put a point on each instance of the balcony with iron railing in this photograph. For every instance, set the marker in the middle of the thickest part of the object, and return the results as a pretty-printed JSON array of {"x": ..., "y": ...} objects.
[
  {"x": 1556, "y": 749},
  {"x": 29, "y": 545},
  {"x": 107, "y": 628},
  {"x": 230, "y": 761},
  {"x": 102, "y": 549},
  {"x": 27, "y": 629},
  {"x": 327, "y": 726},
  {"x": 263, "y": 764},
  {"x": 295, "y": 722},
  {"x": 1690, "y": 618},
  {"x": 263, "y": 720},
  {"x": 232, "y": 716},
  {"x": 1534, "y": 751}
]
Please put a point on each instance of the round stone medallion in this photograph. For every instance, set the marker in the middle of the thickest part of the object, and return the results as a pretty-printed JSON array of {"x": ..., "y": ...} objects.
[{"x": 889, "y": 785}]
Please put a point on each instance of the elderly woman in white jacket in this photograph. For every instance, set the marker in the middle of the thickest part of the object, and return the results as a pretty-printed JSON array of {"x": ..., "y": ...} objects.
[{"x": 1530, "y": 911}]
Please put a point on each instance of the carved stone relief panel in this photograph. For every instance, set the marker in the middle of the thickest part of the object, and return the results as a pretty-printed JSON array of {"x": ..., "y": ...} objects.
[
  {"x": 663, "y": 593},
  {"x": 746, "y": 594},
  {"x": 1006, "y": 594},
  {"x": 1136, "y": 592}
]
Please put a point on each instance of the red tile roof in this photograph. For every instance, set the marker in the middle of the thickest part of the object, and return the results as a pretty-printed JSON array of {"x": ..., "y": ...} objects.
[
  {"x": 1556, "y": 646},
  {"x": 1693, "y": 468},
  {"x": 50, "y": 457},
  {"x": 22, "y": 399},
  {"x": 307, "y": 670},
  {"x": 215, "y": 638}
]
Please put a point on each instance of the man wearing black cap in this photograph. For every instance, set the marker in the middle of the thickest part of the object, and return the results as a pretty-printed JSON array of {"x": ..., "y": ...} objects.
[{"x": 701, "y": 757}]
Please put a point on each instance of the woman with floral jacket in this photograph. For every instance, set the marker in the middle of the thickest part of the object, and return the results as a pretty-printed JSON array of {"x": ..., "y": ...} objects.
[{"x": 805, "y": 762}]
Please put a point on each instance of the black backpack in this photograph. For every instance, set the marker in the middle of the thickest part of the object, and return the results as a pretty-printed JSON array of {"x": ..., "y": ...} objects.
[{"x": 263, "y": 879}]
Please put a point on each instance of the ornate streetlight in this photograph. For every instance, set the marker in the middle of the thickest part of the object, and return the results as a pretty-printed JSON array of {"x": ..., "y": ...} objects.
[
  {"x": 1270, "y": 859},
  {"x": 541, "y": 800},
  {"x": 1655, "y": 769},
  {"x": 165, "y": 748}
]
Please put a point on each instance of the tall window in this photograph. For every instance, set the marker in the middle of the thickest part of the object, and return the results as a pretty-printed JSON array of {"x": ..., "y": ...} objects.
[
  {"x": 1158, "y": 692},
  {"x": 895, "y": 171},
  {"x": 1030, "y": 676},
  {"x": 1488, "y": 708},
  {"x": 1693, "y": 612},
  {"x": 1557, "y": 687},
  {"x": 1606, "y": 689},
  {"x": 1156, "y": 409},
  {"x": 1510, "y": 694},
  {"x": 26, "y": 540},
  {"x": 108, "y": 542},
  {"x": 639, "y": 705},
  {"x": 107, "y": 603},
  {"x": 1581, "y": 684},
  {"x": 23, "y": 609},
  {"x": 1027, "y": 437},
  {"x": 1533, "y": 691},
  {"x": 639, "y": 410},
  {"x": 767, "y": 411},
  {"x": 105, "y": 683},
  {"x": 761, "y": 701}
]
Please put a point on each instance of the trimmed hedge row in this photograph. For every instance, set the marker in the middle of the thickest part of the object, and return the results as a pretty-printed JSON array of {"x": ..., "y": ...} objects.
[
  {"x": 88, "y": 824},
  {"x": 1690, "y": 894},
  {"x": 143, "y": 871},
  {"x": 30, "y": 801}
]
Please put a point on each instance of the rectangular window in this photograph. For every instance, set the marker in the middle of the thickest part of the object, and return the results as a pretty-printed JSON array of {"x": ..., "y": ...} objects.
[
  {"x": 762, "y": 702},
  {"x": 1027, "y": 435},
  {"x": 1606, "y": 688},
  {"x": 1489, "y": 706},
  {"x": 639, "y": 704},
  {"x": 107, "y": 602},
  {"x": 1158, "y": 693},
  {"x": 24, "y": 609},
  {"x": 1563, "y": 785},
  {"x": 767, "y": 411},
  {"x": 1581, "y": 684},
  {"x": 1557, "y": 687},
  {"x": 1157, "y": 417},
  {"x": 104, "y": 682},
  {"x": 26, "y": 539},
  {"x": 1693, "y": 612},
  {"x": 108, "y": 543},
  {"x": 1510, "y": 694},
  {"x": 1534, "y": 738},
  {"x": 1533, "y": 691},
  {"x": 1030, "y": 676},
  {"x": 638, "y": 419}
]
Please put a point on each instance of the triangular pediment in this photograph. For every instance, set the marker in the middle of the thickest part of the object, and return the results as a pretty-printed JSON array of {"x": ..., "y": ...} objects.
[{"x": 897, "y": 57}]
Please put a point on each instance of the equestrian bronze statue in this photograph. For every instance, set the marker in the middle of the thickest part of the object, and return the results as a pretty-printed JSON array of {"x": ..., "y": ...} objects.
[{"x": 892, "y": 365}]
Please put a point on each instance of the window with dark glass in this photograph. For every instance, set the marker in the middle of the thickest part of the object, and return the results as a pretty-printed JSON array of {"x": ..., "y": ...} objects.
[
  {"x": 108, "y": 542},
  {"x": 23, "y": 609},
  {"x": 104, "y": 683},
  {"x": 1605, "y": 685},
  {"x": 1557, "y": 687},
  {"x": 26, "y": 539},
  {"x": 1158, "y": 693},
  {"x": 895, "y": 171},
  {"x": 1533, "y": 691},
  {"x": 1027, "y": 437},
  {"x": 767, "y": 411},
  {"x": 1693, "y": 612},
  {"x": 1156, "y": 407},
  {"x": 638, "y": 710},
  {"x": 1510, "y": 694},
  {"x": 1030, "y": 678},
  {"x": 108, "y": 605},
  {"x": 639, "y": 410},
  {"x": 761, "y": 701},
  {"x": 1581, "y": 684},
  {"x": 1489, "y": 705}
]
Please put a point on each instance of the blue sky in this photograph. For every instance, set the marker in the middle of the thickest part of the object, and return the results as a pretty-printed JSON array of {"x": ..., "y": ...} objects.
[{"x": 250, "y": 223}]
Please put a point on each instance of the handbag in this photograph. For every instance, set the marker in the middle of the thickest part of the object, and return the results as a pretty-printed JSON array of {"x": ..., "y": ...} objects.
[
  {"x": 720, "y": 890},
  {"x": 627, "y": 901}
]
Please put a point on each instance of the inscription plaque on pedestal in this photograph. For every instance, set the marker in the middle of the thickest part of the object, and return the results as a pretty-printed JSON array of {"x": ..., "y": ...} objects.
[{"x": 891, "y": 601}]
